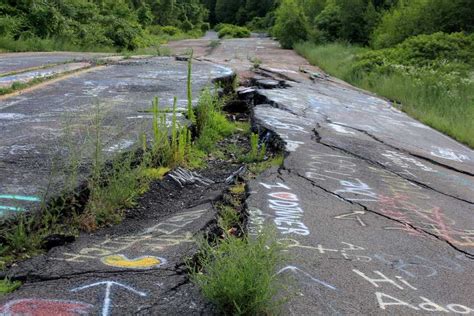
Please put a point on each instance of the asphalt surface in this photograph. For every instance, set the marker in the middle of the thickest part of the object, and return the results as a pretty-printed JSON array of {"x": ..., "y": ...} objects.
[
  {"x": 45, "y": 129},
  {"x": 13, "y": 62},
  {"x": 375, "y": 209}
]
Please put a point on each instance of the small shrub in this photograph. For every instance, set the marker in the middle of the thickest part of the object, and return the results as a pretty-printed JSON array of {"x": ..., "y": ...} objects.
[
  {"x": 214, "y": 44},
  {"x": 233, "y": 31},
  {"x": 238, "y": 276},
  {"x": 291, "y": 25},
  {"x": 205, "y": 27},
  {"x": 220, "y": 26},
  {"x": 170, "y": 30}
]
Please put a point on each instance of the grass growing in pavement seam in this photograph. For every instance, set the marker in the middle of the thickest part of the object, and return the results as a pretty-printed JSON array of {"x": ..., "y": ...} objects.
[
  {"x": 257, "y": 151},
  {"x": 259, "y": 167},
  {"x": 7, "y": 286},
  {"x": 238, "y": 276},
  {"x": 211, "y": 123}
]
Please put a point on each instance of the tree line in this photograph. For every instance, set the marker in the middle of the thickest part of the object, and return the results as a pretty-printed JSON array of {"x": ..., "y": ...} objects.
[
  {"x": 380, "y": 23},
  {"x": 125, "y": 24}
]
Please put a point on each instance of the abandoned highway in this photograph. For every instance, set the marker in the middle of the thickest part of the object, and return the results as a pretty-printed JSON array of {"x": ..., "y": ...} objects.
[{"x": 375, "y": 209}]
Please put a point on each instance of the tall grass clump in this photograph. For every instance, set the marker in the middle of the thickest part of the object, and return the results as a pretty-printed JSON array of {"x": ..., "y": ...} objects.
[
  {"x": 257, "y": 151},
  {"x": 168, "y": 150},
  {"x": 238, "y": 276},
  {"x": 211, "y": 123}
]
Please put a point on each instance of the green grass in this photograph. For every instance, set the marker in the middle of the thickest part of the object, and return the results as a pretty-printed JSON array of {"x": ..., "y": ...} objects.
[
  {"x": 440, "y": 100},
  {"x": 238, "y": 275},
  {"x": 151, "y": 45},
  {"x": 257, "y": 152},
  {"x": 7, "y": 286},
  {"x": 211, "y": 124},
  {"x": 258, "y": 167},
  {"x": 48, "y": 45}
]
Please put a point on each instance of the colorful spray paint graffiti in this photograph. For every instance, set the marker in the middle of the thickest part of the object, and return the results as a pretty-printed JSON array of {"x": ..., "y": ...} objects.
[
  {"x": 15, "y": 201},
  {"x": 287, "y": 210},
  {"x": 386, "y": 301},
  {"x": 45, "y": 307},
  {"x": 109, "y": 285},
  {"x": 139, "y": 251},
  {"x": 144, "y": 262}
]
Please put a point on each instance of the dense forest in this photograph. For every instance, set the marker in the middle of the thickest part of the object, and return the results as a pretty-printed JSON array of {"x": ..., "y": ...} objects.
[{"x": 123, "y": 24}]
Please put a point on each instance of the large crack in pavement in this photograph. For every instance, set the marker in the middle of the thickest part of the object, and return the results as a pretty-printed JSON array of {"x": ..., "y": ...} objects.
[
  {"x": 406, "y": 151},
  {"x": 367, "y": 209},
  {"x": 311, "y": 221},
  {"x": 319, "y": 140}
]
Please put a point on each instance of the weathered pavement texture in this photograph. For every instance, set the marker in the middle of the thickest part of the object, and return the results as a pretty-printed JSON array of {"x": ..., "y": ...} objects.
[
  {"x": 43, "y": 130},
  {"x": 137, "y": 267},
  {"x": 15, "y": 62},
  {"x": 375, "y": 208}
]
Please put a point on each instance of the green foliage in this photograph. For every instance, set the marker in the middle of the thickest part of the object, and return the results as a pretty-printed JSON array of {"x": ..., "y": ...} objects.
[
  {"x": 7, "y": 286},
  {"x": 233, "y": 31},
  {"x": 257, "y": 152},
  {"x": 259, "y": 167},
  {"x": 170, "y": 30},
  {"x": 226, "y": 10},
  {"x": 415, "y": 17},
  {"x": 228, "y": 217},
  {"x": 238, "y": 276},
  {"x": 291, "y": 25},
  {"x": 205, "y": 27},
  {"x": 189, "y": 89},
  {"x": 166, "y": 152},
  {"x": 329, "y": 21},
  {"x": 211, "y": 124},
  {"x": 87, "y": 24},
  {"x": 441, "y": 52}
]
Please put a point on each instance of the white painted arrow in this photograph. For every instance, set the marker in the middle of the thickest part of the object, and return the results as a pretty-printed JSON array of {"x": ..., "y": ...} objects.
[
  {"x": 109, "y": 284},
  {"x": 296, "y": 270}
]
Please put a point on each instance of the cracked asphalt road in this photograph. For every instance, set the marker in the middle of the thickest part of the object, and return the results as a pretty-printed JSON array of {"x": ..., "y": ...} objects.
[
  {"x": 44, "y": 129},
  {"x": 375, "y": 210}
]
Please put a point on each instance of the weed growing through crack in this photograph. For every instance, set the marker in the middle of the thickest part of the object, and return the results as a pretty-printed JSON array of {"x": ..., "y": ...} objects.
[
  {"x": 259, "y": 167},
  {"x": 229, "y": 218},
  {"x": 189, "y": 88},
  {"x": 7, "y": 286},
  {"x": 168, "y": 151},
  {"x": 214, "y": 44},
  {"x": 211, "y": 123},
  {"x": 238, "y": 275},
  {"x": 257, "y": 151}
]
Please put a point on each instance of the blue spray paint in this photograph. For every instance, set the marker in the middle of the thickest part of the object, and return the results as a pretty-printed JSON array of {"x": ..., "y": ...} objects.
[
  {"x": 20, "y": 197},
  {"x": 11, "y": 208},
  {"x": 14, "y": 197}
]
